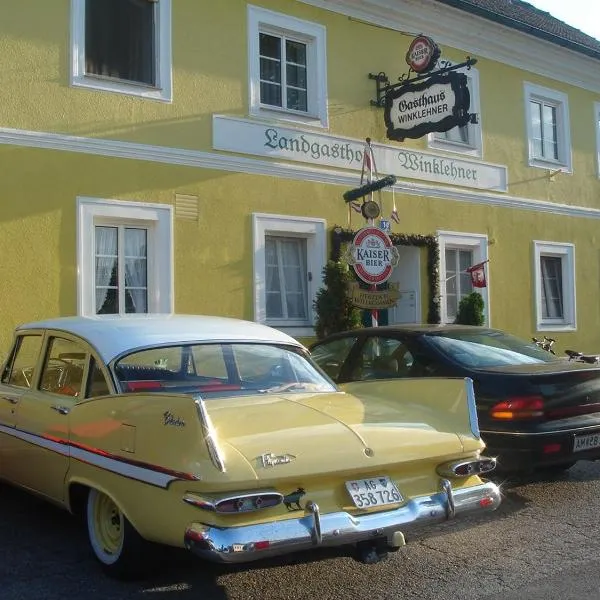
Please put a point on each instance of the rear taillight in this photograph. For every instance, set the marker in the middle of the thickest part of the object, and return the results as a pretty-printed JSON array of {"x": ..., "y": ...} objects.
[
  {"x": 236, "y": 504},
  {"x": 466, "y": 468},
  {"x": 518, "y": 408}
]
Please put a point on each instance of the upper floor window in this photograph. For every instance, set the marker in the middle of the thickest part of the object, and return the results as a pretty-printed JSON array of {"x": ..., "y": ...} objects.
[
  {"x": 548, "y": 130},
  {"x": 287, "y": 67},
  {"x": 467, "y": 139},
  {"x": 554, "y": 285},
  {"x": 123, "y": 46}
]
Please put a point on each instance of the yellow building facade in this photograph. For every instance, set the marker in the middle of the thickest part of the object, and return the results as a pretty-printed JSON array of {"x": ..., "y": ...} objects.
[{"x": 192, "y": 156}]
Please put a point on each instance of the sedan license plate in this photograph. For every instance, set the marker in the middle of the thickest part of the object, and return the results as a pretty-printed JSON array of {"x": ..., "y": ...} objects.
[
  {"x": 586, "y": 442},
  {"x": 377, "y": 491}
]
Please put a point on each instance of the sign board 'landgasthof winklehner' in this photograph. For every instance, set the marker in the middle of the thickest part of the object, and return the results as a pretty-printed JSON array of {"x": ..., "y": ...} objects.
[{"x": 233, "y": 134}]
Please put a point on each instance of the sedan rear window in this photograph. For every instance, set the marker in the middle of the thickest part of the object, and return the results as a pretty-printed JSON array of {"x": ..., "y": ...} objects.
[
  {"x": 221, "y": 370},
  {"x": 489, "y": 348}
]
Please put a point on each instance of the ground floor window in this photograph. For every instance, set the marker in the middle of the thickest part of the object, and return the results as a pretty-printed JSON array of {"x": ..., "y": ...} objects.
[
  {"x": 121, "y": 274},
  {"x": 289, "y": 256},
  {"x": 125, "y": 257},
  {"x": 458, "y": 252},
  {"x": 555, "y": 285}
]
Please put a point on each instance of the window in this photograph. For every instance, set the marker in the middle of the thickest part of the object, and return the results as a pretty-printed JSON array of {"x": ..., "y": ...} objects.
[
  {"x": 20, "y": 372},
  {"x": 331, "y": 356},
  {"x": 458, "y": 251},
  {"x": 458, "y": 280},
  {"x": 548, "y": 131},
  {"x": 289, "y": 256},
  {"x": 287, "y": 67},
  {"x": 125, "y": 257},
  {"x": 382, "y": 358},
  {"x": 286, "y": 278},
  {"x": 63, "y": 368},
  {"x": 555, "y": 285},
  {"x": 123, "y": 46},
  {"x": 597, "y": 126},
  {"x": 97, "y": 383},
  {"x": 121, "y": 274},
  {"x": 467, "y": 139}
]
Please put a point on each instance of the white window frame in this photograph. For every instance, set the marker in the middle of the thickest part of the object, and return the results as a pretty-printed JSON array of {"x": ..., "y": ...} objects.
[
  {"x": 163, "y": 90},
  {"x": 597, "y": 128},
  {"x": 314, "y": 231},
  {"x": 567, "y": 254},
  {"x": 474, "y": 147},
  {"x": 476, "y": 243},
  {"x": 313, "y": 35},
  {"x": 563, "y": 129},
  {"x": 157, "y": 218}
]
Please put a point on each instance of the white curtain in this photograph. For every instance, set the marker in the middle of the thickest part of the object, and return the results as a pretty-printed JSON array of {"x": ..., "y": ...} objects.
[
  {"x": 552, "y": 298},
  {"x": 136, "y": 274},
  {"x": 106, "y": 264}
]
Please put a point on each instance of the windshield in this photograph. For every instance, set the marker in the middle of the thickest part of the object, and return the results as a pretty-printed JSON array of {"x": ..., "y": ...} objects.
[
  {"x": 221, "y": 369},
  {"x": 488, "y": 348}
]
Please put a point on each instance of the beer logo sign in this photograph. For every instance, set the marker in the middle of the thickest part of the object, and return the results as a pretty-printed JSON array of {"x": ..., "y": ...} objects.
[
  {"x": 422, "y": 54},
  {"x": 372, "y": 255}
]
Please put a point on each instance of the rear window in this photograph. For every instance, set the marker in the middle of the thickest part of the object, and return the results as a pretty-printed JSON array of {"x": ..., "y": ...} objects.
[
  {"x": 221, "y": 370},
  {"x": 489, "y": 348}
]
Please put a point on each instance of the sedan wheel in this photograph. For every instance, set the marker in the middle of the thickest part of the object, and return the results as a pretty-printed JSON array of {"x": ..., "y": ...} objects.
[{"x": 115, "y": 543}]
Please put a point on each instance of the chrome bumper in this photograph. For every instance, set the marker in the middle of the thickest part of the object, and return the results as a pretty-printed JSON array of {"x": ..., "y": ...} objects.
[{"x": 252, "y": 542}]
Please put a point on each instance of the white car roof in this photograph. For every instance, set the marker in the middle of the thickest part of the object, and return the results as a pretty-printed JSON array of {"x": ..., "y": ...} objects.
[{"x": 113, "y": 335}]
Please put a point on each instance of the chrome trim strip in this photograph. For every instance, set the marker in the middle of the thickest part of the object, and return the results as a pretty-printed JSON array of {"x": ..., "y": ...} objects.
[
  {"x": 252, "y": 542},
  {"x": 473, "y": 419},
  {"x": 209, "y": 434},
  {"x": 115, "y": 464}
]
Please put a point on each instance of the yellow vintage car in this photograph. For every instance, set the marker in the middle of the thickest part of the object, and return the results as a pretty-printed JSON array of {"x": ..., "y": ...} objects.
[{"x": 223, "y": 437}]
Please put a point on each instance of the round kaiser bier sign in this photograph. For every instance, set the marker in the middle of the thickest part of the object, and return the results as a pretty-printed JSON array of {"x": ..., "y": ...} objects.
[{"x": 373, "y": 255}]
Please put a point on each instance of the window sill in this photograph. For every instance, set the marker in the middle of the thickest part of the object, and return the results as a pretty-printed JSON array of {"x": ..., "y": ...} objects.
[
  {"x": 549, "y": 165},
  {"x": 545, "y": 327},
  {"x": 270, "y": 114},
  {"x": 295, "y": 332},
  {"x": 455, "y": 148},
  {"x": 120, "y": 87}
]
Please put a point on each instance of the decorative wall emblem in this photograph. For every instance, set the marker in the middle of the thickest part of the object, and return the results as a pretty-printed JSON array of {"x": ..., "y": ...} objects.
[{"x": 272, "y": 460}]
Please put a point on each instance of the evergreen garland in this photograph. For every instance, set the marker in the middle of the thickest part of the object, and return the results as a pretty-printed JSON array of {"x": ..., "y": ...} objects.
[{"x": 341, "y": 236}]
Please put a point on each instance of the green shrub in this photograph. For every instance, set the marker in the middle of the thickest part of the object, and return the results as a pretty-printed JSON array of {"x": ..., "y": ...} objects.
[
  {"x": 470, "y": 310},
  {"x": 335, "y": 311}
]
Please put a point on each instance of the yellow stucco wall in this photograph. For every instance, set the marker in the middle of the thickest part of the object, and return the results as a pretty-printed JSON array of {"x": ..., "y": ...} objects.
[{"x": 213, "y": 257}]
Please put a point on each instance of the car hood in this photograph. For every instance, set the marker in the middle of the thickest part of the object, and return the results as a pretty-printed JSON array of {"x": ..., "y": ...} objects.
[{"x": 330, "y": 433}]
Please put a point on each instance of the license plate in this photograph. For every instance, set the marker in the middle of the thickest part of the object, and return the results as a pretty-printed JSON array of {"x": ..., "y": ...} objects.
[
  {"x": 377, "y": 491},
  {"x": 586, "y": 442}
]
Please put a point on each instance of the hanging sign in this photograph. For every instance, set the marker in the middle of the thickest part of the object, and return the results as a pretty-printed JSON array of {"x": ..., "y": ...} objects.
[
  {"x": 369, "y": 299},
  {"x": 422, "y": 54},
  {"x": 373, "y": 255},
  {"x": 439, "y": 103}
]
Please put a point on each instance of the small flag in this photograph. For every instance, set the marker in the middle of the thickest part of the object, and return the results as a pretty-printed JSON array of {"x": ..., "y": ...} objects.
[
  {"x": 477, "y": 273},
  {"x": 356, "y": 206},
  {"x": 394, "y": 216}
]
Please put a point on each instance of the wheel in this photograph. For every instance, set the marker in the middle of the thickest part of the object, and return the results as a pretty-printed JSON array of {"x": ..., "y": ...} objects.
[{"x": 119, "y": 548}]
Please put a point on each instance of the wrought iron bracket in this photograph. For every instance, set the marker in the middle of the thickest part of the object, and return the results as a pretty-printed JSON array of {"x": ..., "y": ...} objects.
[{"x": 384, "y": 87}]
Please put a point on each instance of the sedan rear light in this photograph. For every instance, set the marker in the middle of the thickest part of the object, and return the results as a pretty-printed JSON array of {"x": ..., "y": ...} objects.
[
  {"x": 236, "y": 504},
  {"x": 466, "y": 468},
  {"x": 518, "y": 408}
]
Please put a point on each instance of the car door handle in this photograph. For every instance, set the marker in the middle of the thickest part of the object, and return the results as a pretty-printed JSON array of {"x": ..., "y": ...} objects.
[
  {"x": 63, "y": 410},
  {"x": 11, "y": 399}
]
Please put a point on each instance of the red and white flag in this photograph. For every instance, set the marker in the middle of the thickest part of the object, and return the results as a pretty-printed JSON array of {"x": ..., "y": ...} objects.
[
  {"x": 355, "y": 206},
  {"x": 477, "y": 273}
]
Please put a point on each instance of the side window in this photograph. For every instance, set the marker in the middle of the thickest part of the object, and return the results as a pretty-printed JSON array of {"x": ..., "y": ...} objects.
[
  {"x": 97, "y": 384},
  {"x": 383, "y": 358},
  {"x": 209, "y": 361},
  {"x": 331, "y": 356},
  {"x": 63, "y": 368},
  {"x": 20, "y": 372}
]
